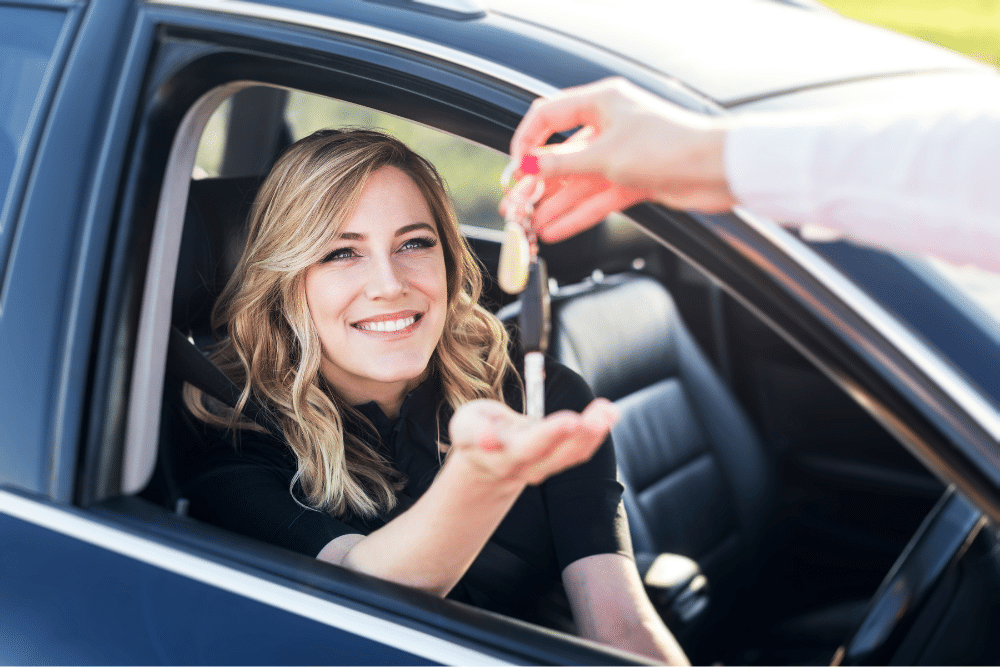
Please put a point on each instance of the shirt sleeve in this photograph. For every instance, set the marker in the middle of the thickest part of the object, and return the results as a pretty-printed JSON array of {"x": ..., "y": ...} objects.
[
  {"x": 922, "y": 182},
  {"x": 246, "y": 488},
  {"x": 584, "y": 503}
]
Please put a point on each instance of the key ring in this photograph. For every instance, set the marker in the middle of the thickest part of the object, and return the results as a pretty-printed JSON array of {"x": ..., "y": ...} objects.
[{"x": 523, "y": 208}]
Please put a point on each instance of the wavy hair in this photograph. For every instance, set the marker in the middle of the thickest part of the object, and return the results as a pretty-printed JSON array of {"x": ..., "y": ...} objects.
[{"x": 273, "y": 350}]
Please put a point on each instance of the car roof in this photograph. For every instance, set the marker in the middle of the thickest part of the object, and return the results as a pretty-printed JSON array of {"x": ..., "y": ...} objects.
[
  {"x": 730, "y": 52},
  {"x": 738, "y": 51}
]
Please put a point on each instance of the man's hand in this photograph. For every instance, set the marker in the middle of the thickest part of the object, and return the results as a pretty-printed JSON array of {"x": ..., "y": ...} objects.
[{"x": 632, "y": 146}]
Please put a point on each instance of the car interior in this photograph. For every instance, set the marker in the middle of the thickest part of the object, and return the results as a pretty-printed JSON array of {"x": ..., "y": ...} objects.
[{"x": 788, "y": 501}]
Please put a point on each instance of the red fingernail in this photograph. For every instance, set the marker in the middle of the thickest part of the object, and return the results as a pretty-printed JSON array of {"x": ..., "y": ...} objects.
[{"x": 529, "y": 164}]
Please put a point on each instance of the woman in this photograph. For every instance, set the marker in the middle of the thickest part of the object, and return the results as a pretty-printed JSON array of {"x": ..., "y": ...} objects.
[{"x": 353, "y": 319}]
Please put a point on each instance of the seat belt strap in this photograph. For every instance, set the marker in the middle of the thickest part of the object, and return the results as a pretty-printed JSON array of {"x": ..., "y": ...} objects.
[{"x": 186, "y": 362}]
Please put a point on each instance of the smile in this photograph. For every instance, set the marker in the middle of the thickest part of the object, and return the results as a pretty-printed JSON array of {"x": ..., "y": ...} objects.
[{"x": 387, "y": 326}]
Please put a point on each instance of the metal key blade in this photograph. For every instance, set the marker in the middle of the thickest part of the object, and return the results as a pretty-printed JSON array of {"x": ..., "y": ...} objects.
[
  {"x": 534, "y": 326},
  {"x": 534, "y": 385}
]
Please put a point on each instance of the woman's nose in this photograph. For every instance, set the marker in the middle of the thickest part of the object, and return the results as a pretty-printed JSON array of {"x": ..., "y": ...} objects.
[{"x": 385, "y": 279}]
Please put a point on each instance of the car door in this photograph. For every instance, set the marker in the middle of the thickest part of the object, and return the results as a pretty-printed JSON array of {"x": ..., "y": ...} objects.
[{"x": 92, "y": 573}]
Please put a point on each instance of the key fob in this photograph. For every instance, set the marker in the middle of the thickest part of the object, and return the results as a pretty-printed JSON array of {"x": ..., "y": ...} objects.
[
  {"x": 512, "y": 273},
  {"x": 534, "y": 318}
]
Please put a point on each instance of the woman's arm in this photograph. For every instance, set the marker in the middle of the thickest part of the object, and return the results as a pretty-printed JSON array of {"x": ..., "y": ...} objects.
[
  {"x": 495, "y": 453},
  {"x": 610, "y": 606}
]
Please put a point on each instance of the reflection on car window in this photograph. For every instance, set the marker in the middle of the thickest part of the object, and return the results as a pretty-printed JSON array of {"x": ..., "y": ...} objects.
[
  {"x": 472, "y": 172},
  {"x": 27, "y": 40},
  {"x": 979, "y": 285},
  {"x": 955, "y": 309}
]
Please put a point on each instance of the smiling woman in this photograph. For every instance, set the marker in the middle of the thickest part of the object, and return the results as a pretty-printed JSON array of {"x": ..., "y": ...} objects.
[{"x": 353, "y": 318}]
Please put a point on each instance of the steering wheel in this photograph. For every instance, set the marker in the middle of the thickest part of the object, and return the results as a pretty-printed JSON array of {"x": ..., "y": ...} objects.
[{"x": 940, "y": 541}]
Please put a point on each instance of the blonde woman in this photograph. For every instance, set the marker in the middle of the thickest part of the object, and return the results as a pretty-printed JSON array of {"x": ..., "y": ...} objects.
[{"x": 352, "y": 318}]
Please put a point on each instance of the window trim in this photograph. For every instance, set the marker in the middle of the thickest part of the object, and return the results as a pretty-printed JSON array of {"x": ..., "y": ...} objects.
[{"x": 299, "y": 18}]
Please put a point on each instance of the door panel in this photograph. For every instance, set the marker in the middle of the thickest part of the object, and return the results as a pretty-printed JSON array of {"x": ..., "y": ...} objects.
[{"x": 69, "y": 601}]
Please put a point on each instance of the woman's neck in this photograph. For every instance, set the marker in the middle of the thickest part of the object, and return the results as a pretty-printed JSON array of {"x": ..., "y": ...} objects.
[{"x": 388, "y": 396}]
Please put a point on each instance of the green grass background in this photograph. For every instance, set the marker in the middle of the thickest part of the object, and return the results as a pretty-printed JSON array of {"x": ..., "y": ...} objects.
[{"x": 971, "y": 27}]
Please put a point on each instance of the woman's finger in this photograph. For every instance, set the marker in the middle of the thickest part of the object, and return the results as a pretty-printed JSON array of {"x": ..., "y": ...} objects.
[
  {"x": 589, "y": 432},
  {"x": 571, "y": 451}
]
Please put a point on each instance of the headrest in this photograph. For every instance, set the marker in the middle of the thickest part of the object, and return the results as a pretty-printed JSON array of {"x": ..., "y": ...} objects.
[
  {"x": 618, "y": 333},
  {"x": 215, "y": 228}
]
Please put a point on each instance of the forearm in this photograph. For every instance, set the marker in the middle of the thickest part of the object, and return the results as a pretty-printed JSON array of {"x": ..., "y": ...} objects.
[
  {"x": 610, "y": 606},
  {"x": 913, "y": 181},
  {"x": 496, "y": 452},
  {"x": 638, "y": 629},
  {"x": 432, "y": 544}
]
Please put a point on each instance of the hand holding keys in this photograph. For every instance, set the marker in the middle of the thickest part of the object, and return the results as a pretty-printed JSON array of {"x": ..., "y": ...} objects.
[{"x": 522, "y": 271}]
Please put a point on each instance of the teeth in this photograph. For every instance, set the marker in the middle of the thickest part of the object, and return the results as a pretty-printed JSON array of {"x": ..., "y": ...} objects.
[{"x": 388, "y": 326}]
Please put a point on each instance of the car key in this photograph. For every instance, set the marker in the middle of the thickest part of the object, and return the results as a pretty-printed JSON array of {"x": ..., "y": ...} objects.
[
  {"x": 522, "y": 271},
  {"x": 534, "y": 325}
]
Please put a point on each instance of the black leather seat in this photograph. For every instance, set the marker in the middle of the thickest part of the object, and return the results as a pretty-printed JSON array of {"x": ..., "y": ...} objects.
[
  {"x": 211, "y": 243},
  {"x": 698, "y": 480}
]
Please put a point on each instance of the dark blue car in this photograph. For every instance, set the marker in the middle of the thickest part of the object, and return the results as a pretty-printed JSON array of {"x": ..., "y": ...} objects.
[{"x": 812, "y": 423}]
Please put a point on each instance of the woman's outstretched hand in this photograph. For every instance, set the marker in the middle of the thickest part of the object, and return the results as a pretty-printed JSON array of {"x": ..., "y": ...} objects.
[
  {"x": 632, "y": 146},
  {"x": 506, "y": 446}
]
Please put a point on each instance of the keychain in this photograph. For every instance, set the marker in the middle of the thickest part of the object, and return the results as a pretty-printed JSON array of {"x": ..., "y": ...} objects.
[{"x": 522, "y": 271}]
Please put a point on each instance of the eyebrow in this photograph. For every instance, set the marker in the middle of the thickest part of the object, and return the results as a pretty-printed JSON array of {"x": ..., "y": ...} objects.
[{"x": 405, "y": 229}]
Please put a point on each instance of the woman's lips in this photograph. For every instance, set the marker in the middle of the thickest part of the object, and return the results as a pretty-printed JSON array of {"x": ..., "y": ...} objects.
[{"x": 392, "y": 323}]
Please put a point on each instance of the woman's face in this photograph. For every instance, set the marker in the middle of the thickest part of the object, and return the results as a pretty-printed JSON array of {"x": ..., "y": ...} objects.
[{"x": 379, "y": 297}]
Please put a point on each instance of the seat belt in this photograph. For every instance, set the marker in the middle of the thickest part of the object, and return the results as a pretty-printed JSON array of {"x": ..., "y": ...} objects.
[{"x": 186, "y": 362}]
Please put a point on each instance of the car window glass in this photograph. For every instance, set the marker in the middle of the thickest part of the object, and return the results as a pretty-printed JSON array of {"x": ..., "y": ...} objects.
[
  {"x": 471, "y": 171},
  {"x": 979, "y": 285},
  {"x": 956, "y": 309},
  {"x": 28, "y": 38}
]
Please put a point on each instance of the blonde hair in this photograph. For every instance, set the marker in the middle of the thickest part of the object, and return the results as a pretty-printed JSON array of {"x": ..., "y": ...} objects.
[{"x": 273, "y": 350}]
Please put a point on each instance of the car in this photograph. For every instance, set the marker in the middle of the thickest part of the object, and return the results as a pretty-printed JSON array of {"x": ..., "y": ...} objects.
[{"x": 844, "y": 486}]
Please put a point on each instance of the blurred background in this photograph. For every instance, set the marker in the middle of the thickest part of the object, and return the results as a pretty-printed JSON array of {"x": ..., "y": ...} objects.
[{"x": 971, "y": 27}]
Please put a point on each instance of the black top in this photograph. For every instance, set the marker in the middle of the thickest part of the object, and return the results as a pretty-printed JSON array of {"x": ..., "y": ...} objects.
[{"x": 574, "y": 514}]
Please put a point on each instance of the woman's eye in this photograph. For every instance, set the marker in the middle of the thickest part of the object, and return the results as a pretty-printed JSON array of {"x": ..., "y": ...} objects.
[
  {"x": 339, "y": 253},
  {"x": 419, "y": 242}
]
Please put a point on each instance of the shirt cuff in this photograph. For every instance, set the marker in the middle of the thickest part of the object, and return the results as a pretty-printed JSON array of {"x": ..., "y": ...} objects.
[{"x": 768, "y": 169}]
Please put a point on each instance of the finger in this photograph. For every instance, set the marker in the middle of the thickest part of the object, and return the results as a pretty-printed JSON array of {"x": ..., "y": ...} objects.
[
  {"x": 476, "y": 418},
  {"x": 573, "y": 107},
  {"x": 586, "y": 213},
  {"x": 580, "y": 157},
  {"x": 489, "y": 442},
  {"x": 573, "y": 450},
  {"x": 565, "y": 195},
  {"x": 589, "y": 432},
  {"x": 601, "y": 414}
]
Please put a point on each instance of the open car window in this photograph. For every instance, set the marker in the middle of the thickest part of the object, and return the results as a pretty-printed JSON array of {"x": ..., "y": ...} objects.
[{"x": 471, "y": 171}]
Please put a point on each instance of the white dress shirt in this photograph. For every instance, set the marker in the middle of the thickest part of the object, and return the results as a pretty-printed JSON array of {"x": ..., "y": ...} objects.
[{"x": 925, "y": 182}]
